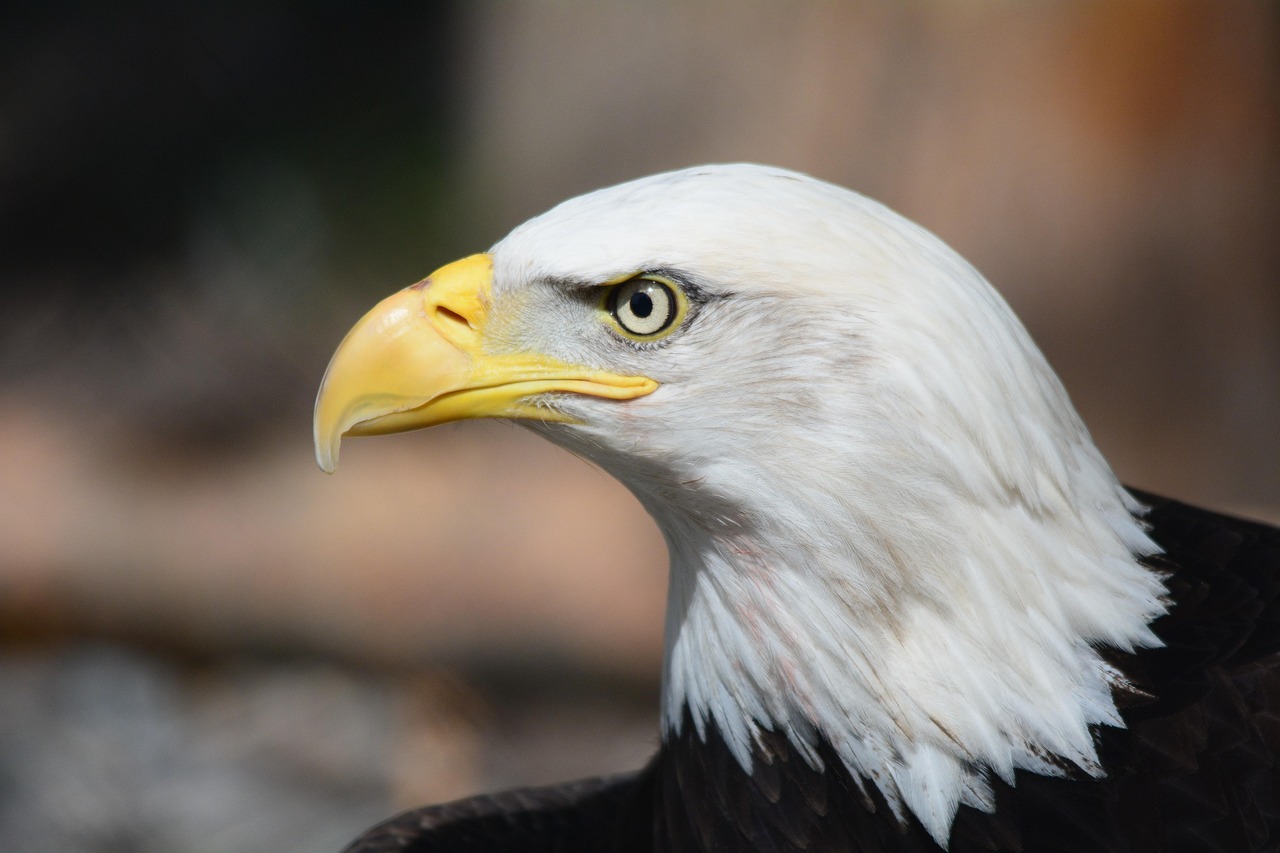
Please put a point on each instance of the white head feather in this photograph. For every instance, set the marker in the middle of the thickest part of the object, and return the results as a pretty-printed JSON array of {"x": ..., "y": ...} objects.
[{"x": 886, "y": 522}]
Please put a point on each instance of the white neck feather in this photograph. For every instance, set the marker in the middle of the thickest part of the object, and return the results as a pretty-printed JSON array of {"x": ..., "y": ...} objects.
[
  {"x": 935, "y": 622},
  {"x": 923, "y": 689},
  {"x": 887, "y": 524},
  {"x": 916, "y": 560}
]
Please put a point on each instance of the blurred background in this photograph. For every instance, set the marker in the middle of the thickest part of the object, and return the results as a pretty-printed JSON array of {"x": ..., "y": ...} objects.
[{"x": 207, "y": 645}]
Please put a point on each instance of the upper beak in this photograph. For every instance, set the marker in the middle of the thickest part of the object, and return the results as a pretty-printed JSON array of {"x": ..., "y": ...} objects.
[{"x": 418, "y": 359}]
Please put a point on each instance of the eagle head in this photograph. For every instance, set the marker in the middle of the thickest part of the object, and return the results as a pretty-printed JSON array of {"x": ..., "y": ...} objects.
[{"x": 888, "y": 527}]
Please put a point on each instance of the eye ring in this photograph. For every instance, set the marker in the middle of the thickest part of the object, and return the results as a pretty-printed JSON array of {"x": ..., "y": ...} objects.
[{"x": 645, "y": 308}]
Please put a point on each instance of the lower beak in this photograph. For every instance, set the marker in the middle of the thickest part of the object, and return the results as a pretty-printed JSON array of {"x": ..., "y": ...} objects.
[{"x": 418, "y": 359}]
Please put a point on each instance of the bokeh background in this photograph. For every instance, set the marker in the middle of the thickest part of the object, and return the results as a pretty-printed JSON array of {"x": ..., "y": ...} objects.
[{"x": 207, "y": 645}]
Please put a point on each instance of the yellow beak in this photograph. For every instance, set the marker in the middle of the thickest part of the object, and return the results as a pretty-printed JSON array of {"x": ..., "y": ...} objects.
[{"x": 418, "y": 359}]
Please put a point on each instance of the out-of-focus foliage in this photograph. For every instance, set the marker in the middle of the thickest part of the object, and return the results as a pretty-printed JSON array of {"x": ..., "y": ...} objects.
[{"x": 186, "y": 190}]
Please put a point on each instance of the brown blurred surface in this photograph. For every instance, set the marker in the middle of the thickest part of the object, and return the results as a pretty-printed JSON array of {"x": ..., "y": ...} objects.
[
  {"x": 195, "y": 204},
  {"x": 479, "y": 543}
]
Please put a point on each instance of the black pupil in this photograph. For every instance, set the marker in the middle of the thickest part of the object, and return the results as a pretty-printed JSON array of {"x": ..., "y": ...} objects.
[{"x": 641, "y": 304}]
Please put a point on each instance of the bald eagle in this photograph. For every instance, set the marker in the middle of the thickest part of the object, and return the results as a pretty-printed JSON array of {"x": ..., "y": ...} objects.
[{"x": 910, "y": 606}]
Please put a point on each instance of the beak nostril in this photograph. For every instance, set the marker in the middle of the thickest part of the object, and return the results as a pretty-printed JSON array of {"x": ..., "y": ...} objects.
[{"x": 449, "y": 317}]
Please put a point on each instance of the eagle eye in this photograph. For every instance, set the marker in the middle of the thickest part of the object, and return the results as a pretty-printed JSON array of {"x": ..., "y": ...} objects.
[{"x": 645, "y": 307}]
